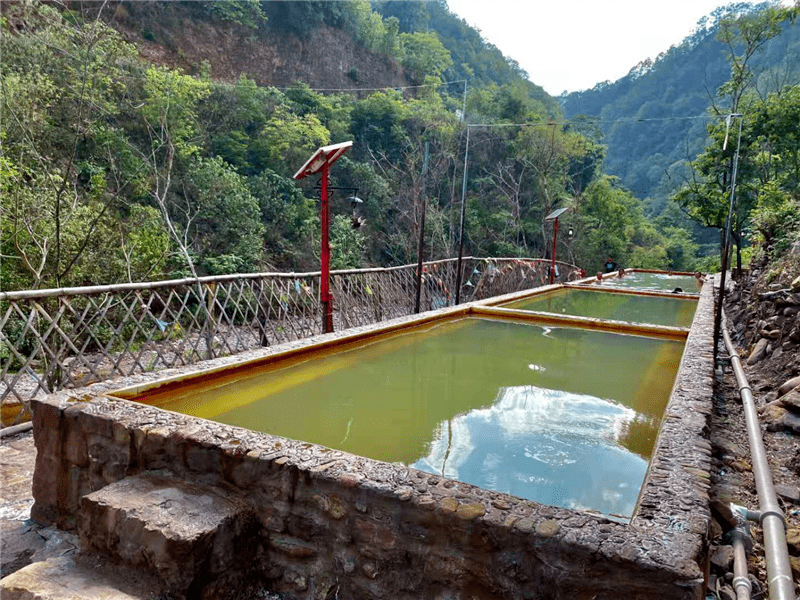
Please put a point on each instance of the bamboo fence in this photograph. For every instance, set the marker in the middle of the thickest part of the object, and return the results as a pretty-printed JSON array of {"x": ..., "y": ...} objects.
[{"x": 71, "y": 337}]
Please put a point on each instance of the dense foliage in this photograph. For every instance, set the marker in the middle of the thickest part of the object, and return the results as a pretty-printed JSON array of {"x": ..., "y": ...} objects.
[
  {"x": 115, "y": 169},
  {"x": 758, "y": 143}
]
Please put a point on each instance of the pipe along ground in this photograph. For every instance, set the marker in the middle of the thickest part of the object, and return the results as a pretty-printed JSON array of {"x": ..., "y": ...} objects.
[{"x": 773, "y": 521}]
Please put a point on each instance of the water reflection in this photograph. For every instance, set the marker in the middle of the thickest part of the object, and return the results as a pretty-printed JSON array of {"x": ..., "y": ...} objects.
[
  {"x": 656, "y": 282},
  {"x": 620, "y": 307},
  {"x": 555, "y": 447}
]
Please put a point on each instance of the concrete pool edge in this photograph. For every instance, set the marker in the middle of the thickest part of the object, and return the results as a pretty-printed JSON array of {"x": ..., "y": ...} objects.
[{"x": 322, "y": 511}]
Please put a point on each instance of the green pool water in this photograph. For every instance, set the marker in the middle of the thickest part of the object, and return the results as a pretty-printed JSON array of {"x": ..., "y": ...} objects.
[
  {"x": 566, "y": 417},
  {"x": 606, "y": 305},
  {"x": 655, "y": 281}
]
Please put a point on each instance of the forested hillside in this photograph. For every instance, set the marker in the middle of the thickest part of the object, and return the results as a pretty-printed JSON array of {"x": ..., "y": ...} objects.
[
  {"x": 656, "y": 118},
  {"x": 158, "y": 140}
]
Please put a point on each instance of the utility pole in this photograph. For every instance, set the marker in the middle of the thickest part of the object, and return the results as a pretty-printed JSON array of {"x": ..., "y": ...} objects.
[
  {"x": 421, "y": 245},
  {"x": 727, "y": 237}
]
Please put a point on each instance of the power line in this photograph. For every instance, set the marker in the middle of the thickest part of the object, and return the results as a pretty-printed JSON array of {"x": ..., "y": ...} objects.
[
  {"x": 594, "y": 121},
  {"x": 373, "y": 89}
]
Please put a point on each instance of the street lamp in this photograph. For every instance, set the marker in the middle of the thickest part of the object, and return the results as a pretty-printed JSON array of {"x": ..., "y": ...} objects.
[
  {"x": 553, "y": 216},
  {"x": 320, "y": 162}
]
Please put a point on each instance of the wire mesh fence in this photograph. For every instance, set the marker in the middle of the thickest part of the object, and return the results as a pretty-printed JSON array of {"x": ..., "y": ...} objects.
[{"x": 69, "y": 338}]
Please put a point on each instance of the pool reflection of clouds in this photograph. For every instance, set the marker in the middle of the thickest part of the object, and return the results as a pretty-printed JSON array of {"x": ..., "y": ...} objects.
[{"x": 550, "y": 446}]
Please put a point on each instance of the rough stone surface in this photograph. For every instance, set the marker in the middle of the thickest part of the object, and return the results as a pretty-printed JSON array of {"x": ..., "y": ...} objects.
[
  {"x": 329, "y": 523},
  {"x": 795, "y": 562},
  {"x": 793, "y": 539},
  {"x": 183, "y": 532},
  {"x": 722, "y": 558},
  {"x": 790, "y": 493},
  {"x": 791, "y": 384},
  {"x": 791, "y": 401},
  {"x": 778, "y": 418},
  {"x": 78, "y": 579},
  {"x": 759, "y": 352}
]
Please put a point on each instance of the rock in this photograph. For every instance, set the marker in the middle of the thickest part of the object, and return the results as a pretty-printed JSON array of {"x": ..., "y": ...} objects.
[
  {"x": 768, "y": 397},
  {"x": 722, "y": 513},
  {"x": 78, "y": 579},
  {"x": 793, "y": 539},
  {"x": 778, "y": 418},
  {"x": 790, "y": 493},
  {"x": 726, "y": 446},
  {"x": 181, "y": 531},
  {"x": 795, "y": 561},
  {"x": 714, "y": 530},
  {"x": 794, "y": 465},
  {"x": 796, "y": 284},
  {"x": 794, "y": 382},
  {"x": 791, "y": 401},
  {"x": 726, "y": 593},
  {"x": 469, "y": 512},
  {"x": 722, "y": 558},
  {"x": 759, "y": 352},
  {"x": 548, "y": 528},
  {"x": 772, "y": 335},
  {"x": 740, "y": 464},
  {"x": 791, "y": 310}
]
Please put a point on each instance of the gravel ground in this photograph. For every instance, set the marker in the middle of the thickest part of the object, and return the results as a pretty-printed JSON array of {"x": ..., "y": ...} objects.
[{"x": 753, "y": 313}]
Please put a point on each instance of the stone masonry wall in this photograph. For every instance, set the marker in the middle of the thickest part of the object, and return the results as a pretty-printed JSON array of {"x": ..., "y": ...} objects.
[{"x": 329, "y": 523}]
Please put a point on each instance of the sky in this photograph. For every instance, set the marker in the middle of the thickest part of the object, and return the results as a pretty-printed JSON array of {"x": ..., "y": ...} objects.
[{"x": 573, "y": 44}]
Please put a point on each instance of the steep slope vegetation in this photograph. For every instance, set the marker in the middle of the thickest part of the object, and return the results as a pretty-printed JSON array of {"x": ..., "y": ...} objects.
[
  {"x": 279, "y": 49},
  {"x": 152, "y": 140}
]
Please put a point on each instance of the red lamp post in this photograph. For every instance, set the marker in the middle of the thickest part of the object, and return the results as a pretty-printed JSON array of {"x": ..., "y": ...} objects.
[
  {"x": 320, "y": 162},
  {"x": 553, "y": 216}
]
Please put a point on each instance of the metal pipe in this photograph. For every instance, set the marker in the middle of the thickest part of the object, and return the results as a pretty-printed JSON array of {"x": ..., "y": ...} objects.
[
  {"x": 750, "y": 515},
  {"x": 742, "y": 543},
  {"x": 741, "y": 582},
  {"x": 773, "y": 522}
]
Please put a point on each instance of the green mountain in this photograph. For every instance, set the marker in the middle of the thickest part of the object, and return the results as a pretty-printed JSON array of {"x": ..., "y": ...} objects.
[{"x": 656, "y": 118}]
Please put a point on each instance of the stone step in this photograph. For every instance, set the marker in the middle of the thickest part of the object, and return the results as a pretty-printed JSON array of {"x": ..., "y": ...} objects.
[
  {"x": 186, "y": 533},
  {"x": 79, "y": 578}
]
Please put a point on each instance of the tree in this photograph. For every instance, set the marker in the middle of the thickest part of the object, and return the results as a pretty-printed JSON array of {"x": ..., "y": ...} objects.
[
  {"x": 424, "y": 55},
  {"x": 287, "y": 140},
  {"x": 706, "y": 196},
  {"x": 60, "y": 87},
  {"x": 288, "y": 220},
  {"x": 226, "y": 231},
  {"x": 169, "y": 114}
]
